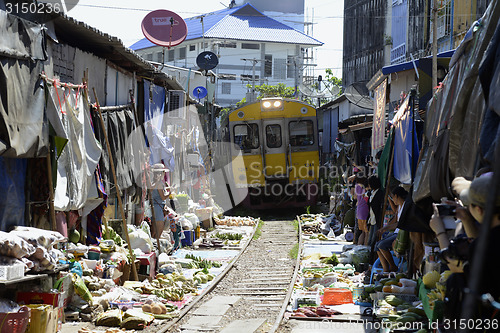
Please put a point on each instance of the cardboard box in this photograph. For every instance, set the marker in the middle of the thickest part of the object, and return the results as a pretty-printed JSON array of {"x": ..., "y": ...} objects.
[
  {"x": 44, "y": 319},
  {"x": 35, "y": 297}
]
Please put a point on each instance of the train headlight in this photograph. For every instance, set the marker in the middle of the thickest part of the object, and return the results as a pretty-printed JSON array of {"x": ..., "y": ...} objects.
[
  {"x": 277, "y": 104},
  {"x": 266, "y": 104}
]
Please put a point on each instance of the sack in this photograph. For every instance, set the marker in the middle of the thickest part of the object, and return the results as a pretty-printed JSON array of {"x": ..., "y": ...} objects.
[{"x": 402, "y": 241}]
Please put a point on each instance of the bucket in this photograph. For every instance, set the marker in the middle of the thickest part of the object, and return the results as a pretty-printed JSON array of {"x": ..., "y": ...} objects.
[
  {"x": 188, "y": 239},
  {"x": 94, "y": 254}
]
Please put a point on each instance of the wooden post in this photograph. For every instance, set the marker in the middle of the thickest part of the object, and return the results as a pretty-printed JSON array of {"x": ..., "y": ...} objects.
[{"x": 118, "y": 193}]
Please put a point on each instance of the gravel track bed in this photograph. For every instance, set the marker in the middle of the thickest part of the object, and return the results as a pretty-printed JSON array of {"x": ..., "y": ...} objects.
[{"x": 266, "y": 258}]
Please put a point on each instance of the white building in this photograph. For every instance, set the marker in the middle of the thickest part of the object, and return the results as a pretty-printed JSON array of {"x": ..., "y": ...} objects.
[{"x": 246, "y": 42}]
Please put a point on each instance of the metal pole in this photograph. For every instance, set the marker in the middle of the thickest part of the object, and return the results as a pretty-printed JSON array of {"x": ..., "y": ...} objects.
[
  {"x": 434, "y": 47},
  {"x": 118, "y": 193}
]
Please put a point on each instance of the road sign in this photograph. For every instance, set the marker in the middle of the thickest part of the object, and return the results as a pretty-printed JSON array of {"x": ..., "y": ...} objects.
[
  {"x": 207, "y": 60},
  {"x": 200, "y": 92},
  {"x": 164, "y": 28}
]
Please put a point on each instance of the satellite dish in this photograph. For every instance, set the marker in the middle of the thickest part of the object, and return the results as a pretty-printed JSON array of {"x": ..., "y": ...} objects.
[
  {"x": 164, "y": 28},
  {"x": 200, "y": 92},
  {"x": 207, "y": 60}
]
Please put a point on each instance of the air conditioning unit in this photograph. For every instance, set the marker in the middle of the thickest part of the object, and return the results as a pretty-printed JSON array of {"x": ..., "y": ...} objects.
[{"x": 176, "y": 107}]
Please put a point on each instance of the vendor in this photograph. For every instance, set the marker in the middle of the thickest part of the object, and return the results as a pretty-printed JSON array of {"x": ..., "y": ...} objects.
[
  {"x": 362, "y": 209},
  {"x": 385, "y": 245},
  {"x": 159, "y": 193}
]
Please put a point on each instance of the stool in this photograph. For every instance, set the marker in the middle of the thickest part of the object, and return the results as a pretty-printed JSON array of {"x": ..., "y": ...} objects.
[{"x": 147, "y": 266}]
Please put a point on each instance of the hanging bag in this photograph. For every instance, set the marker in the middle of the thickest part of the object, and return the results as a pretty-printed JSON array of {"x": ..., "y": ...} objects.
[{"x": 402, "y": 242}]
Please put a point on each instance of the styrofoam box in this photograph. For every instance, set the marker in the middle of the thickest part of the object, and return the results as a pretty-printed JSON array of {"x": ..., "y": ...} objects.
[{"x": 11, "y": 272}]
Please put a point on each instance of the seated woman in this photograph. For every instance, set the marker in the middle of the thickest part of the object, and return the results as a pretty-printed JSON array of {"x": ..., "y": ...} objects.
[{"x": 385, "y": 245}]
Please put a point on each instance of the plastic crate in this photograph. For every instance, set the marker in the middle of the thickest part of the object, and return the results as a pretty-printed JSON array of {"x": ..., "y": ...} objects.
[
  {"x": 307, "y": 298},
  {"x": 337, "y": 296},
  {"x": 324, "y": 281},
  {"x": 11, "y": 272},
  {"x": 15, "y": 322}
]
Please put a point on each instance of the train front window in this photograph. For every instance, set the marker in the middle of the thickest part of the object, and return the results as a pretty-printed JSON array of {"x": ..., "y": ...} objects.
[
  {"x": 246, "y": 136},
  {"x": 273, "y": 136},
  {"x": 301, "y": 133}
]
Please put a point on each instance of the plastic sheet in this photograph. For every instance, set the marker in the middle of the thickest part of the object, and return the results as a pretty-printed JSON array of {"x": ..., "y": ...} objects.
[{"x": 12, "y": 180}]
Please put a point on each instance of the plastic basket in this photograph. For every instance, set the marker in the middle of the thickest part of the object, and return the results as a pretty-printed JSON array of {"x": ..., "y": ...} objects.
[
  {"x": 15, "y": 322},
  {"x": 336, "y": 296},
  {"x": 357, "y": 292}
]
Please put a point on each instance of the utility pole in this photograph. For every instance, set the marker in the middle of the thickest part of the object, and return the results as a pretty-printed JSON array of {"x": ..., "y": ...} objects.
[
  {"x": 254, "y": 62},
  {"x": 434, "y": 47}
]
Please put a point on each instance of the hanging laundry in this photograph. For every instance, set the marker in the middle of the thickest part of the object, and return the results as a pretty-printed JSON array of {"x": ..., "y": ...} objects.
[{"x": 79, "y": 158}]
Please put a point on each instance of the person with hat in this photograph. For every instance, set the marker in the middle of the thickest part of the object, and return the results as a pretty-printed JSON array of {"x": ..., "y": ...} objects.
[{"x": 160, "y": 192}]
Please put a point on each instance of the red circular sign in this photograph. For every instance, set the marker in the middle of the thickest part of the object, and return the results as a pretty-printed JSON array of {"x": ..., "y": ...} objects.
[{"x": 165, "y": 28}]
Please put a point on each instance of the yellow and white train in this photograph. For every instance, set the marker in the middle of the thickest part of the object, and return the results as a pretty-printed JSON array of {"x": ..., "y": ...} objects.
[{"x": 277, "y": 139}]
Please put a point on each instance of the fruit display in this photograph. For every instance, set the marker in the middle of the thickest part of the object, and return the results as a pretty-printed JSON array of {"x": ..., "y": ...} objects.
[
  {"x": 313, "y": 311},
  {"x": 236, "y": 221}
]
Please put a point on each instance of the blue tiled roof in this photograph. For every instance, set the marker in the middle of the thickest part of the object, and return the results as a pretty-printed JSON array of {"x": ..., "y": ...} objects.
[{"x": 240, "y": 23}]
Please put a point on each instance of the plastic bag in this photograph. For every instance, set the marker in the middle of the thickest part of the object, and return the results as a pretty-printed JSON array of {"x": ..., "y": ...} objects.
[
  {"x": 39, "y": 237},
  {"x": 140, "y": 240},
  {"x": 81, "y": 289},
  {"x": 14, "y": 246}
]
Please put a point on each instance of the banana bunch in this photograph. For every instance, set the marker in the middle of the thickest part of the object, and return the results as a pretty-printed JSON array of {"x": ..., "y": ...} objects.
[{"x": 170, "y": 294}]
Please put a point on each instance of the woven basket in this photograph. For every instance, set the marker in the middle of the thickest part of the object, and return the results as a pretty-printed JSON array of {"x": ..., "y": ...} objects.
[{"x": 15, "y": 322}]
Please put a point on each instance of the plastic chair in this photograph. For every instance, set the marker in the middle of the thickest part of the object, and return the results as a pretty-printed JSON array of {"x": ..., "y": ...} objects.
[{"x": 377, "y": 267}]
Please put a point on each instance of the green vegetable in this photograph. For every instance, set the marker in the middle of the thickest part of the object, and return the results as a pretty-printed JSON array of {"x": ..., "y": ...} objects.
[{"x": 332, "y": 260}]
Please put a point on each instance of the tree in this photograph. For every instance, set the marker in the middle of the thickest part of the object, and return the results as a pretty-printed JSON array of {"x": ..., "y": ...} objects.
[{"x": 264, "y": 90}]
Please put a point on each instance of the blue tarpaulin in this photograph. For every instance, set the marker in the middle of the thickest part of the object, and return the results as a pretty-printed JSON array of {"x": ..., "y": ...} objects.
[{"x": 12, "y": 180}]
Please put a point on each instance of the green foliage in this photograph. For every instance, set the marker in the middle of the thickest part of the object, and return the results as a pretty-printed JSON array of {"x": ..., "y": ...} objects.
[
  {"x": 295, "y": 224},
  {"x": 258, "y": 232},
  {"x": 308, "y": 209},
  {"x": 332, "y": 79},
  {"x": 294, "y": 251},
  {"x": 279, "y": 90}
]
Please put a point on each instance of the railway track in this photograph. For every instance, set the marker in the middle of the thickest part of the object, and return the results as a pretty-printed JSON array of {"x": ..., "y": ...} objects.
[{"x": 253, "y": 294}]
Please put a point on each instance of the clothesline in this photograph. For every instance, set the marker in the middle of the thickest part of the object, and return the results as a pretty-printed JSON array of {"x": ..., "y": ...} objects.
[{"x": 57, "y": 82}]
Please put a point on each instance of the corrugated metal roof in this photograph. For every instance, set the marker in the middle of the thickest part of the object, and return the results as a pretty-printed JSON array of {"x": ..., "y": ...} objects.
[{"x": 239, "y": 23}]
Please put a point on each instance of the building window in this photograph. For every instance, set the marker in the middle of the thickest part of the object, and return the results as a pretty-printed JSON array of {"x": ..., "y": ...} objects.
[
  {"x": 248, "y": 77},
  {"x": 290, "y": 67},
  {"x": 159, "y": 57},
  {"x": 149, "y": 57},
  {"x": 182, "y": 53},
  {"x": 171, "y": 55},
  {"x": 268, "y": 65},
  {"x": 192, "y": 47},
  {"x": 222, "y": 76},
  {"x": 250, "y": 46},
  {"x": 280, "y": 69},
  {"x": 230, "y": 45},
  {"x": 226, "y": 88}
]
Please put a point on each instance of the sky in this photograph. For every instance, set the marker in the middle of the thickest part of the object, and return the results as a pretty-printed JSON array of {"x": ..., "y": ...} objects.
[{"x": 122, "y": 19}]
